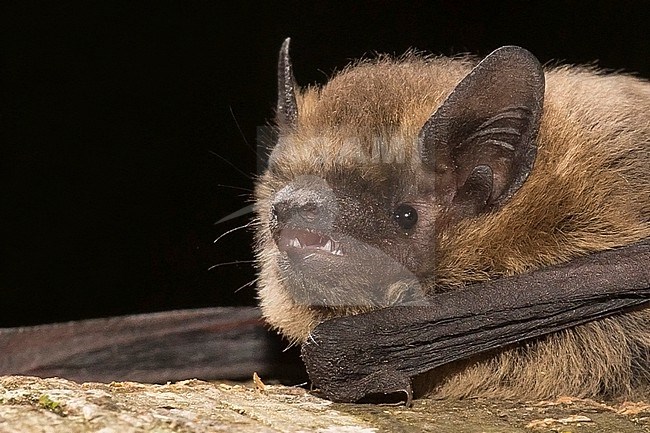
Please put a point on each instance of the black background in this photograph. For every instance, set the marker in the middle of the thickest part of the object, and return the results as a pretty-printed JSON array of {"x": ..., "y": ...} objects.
[{"x": 129, "y": 128}]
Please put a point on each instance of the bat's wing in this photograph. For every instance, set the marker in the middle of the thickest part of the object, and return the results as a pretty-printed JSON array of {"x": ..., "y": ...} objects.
[
  {"x": 209, "y": 343},
  {"x": 376, "y": 354}
]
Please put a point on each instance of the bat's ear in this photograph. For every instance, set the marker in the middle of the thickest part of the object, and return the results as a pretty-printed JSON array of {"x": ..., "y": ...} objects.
[
  {"x": 287, "y": 109},
  {"x": 485, "y": 131}
]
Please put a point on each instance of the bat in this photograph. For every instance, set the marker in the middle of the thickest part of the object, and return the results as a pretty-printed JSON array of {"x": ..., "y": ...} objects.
[
  {"x": 460, "y": 227},
  {"x": 456, "y": 296}
]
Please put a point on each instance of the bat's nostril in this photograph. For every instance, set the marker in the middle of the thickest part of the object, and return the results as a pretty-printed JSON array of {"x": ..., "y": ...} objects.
[
  {"x": 309, "y": 212},
  {"x": 289, "y": 213}
]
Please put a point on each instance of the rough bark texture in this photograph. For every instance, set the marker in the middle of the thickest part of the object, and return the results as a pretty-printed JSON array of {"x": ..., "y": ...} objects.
[{"x": 29, "y": 404}]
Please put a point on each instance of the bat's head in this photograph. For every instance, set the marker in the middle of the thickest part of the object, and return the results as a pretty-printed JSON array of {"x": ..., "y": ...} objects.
[{"x": 371, "y": 169}]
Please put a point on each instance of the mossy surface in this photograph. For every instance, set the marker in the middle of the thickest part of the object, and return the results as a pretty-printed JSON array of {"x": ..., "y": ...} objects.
[{"x": 27, "y": 404}]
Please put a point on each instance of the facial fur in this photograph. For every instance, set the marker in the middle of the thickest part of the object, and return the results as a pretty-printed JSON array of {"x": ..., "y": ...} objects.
[{"x": 351, "y": 158}]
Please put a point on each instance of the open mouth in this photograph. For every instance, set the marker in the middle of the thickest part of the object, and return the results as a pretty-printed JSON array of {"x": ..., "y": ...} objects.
[{"x": 308, "y": 241}]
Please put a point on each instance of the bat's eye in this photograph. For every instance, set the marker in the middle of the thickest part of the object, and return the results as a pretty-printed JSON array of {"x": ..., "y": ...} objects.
[{"x": 405, "y": 216}]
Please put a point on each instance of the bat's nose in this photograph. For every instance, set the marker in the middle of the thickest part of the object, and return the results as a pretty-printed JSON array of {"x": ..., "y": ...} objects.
[
  {"x": 287, "y": 213},
  {"x": 305, "y": 203}
]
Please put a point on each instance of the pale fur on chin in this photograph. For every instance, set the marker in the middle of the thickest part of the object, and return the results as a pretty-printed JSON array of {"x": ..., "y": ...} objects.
[{"x": 589, "y": 191}]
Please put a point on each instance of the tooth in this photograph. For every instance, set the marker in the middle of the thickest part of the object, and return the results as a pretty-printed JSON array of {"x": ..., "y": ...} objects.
[{"x": 328, "y": 246}]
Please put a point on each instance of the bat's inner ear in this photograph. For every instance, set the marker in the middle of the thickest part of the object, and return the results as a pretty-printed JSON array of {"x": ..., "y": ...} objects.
[{"x": 485, "y": 131}]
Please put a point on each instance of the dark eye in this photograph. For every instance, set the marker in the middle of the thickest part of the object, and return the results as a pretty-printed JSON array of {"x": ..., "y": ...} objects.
[{"x": 405, "y": 216}]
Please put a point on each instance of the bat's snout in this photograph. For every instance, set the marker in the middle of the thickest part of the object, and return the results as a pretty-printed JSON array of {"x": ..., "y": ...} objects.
[{"x": 308, "y": 205}]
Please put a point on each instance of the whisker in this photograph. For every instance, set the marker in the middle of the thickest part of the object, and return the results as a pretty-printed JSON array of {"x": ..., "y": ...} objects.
[
  {"x": 232, "y": 113},
  {"x": 250, "y": 283},
  {"x": 235, "y": 187},
  {"x": 236, "y": 262},
  {"x": 248, "y": 176},
  {"x": 290, "y": 345},
  {"x": 232, "y": 230},
  {"x": 236, "y": 214},
  {"x": 311, "y": 338}
]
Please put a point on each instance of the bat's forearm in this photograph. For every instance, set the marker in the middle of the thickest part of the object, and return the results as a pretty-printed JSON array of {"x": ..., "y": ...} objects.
[{"x": 352, "y": 357}]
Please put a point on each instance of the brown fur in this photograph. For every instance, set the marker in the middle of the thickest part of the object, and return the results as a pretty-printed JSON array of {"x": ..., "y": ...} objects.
[{"x": 589, "y": 191}]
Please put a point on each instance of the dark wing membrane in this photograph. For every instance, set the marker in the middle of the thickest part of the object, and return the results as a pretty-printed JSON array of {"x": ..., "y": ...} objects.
[{"x": 209, "y": 343}]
